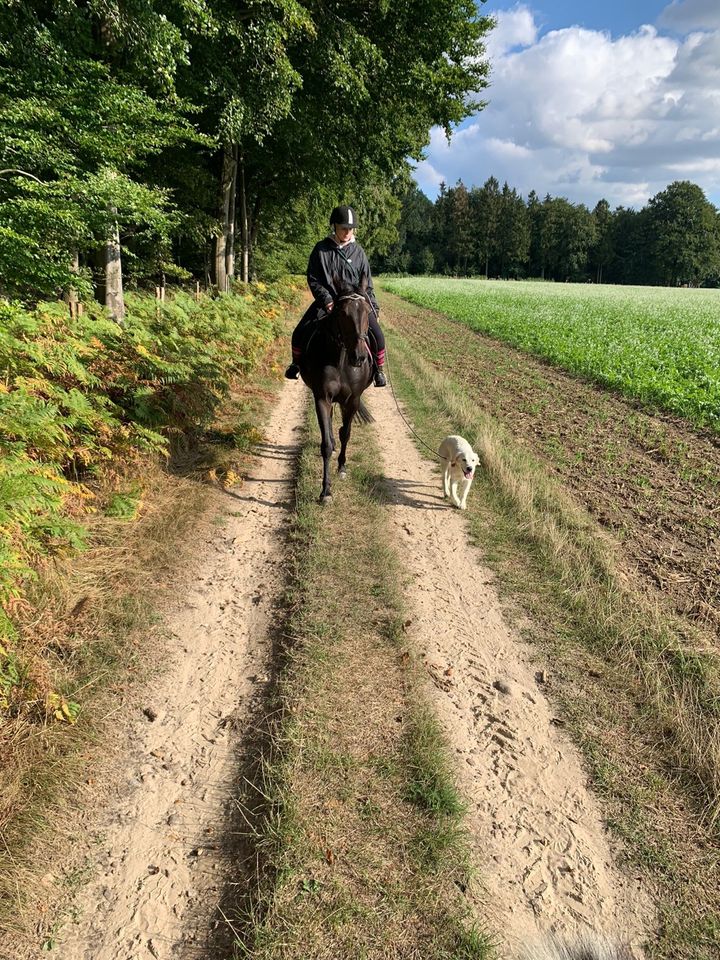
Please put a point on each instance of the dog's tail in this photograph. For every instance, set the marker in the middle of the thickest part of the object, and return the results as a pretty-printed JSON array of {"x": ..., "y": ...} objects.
[
  {"x": 363, "y": 415},
  {"x": 587, "y": 946}
]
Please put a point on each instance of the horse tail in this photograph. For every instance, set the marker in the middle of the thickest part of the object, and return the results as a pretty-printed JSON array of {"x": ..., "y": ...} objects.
[{"x": 364, "y": 415}]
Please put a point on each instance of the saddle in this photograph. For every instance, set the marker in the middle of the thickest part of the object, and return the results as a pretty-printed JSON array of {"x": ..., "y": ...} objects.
[{"x": 312, "y": 329}]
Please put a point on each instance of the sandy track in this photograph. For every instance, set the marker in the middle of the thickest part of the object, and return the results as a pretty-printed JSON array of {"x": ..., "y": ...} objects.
[
  {"x": 545, "y": 856},
  {"x": 160, "y": 868}
]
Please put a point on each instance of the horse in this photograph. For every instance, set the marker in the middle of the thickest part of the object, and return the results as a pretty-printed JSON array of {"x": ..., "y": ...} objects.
[{"x": 336, "y": 364}]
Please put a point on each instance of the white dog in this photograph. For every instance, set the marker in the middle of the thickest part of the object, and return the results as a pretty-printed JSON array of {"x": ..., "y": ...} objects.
[{"x": 460, "y": 461}]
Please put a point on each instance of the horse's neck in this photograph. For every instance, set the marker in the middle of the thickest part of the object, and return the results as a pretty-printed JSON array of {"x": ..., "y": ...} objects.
[{"x": 331, "y": 343}]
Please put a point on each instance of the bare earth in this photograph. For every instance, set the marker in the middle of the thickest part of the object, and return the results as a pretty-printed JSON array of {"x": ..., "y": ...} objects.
[
  {"x": 159, "y": 880},
  {"x": 544, "y": 854}
]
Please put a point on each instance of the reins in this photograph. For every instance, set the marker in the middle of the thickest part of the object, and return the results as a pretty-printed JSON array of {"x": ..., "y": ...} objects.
[{"x": 392, "y": 390}]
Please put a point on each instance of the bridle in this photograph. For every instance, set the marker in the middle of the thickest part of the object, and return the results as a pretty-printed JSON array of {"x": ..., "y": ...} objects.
[{"x": 363, "y": 338}]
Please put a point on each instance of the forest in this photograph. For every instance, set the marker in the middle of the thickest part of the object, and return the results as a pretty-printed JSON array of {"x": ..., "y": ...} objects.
[
  {"x": 149, "y": 141},
  {"x": 493, "y": 231}
]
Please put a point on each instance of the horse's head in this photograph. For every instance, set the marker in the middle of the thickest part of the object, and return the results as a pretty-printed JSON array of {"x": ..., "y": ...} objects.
[{"x": 352, "y": 315}]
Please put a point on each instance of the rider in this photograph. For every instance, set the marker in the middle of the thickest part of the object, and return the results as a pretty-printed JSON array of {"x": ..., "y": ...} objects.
[{"x": 340, "y": 257}]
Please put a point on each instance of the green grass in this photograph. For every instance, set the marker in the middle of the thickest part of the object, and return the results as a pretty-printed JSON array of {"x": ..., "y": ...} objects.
[{"x": 658, "y": 345}]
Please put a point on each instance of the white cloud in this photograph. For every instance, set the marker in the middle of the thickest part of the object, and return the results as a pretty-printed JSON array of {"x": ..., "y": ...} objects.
[
  {"x": 515, "y": 28},
  {"x": 506, "y": 148},
  {"x": 579, "y": 113},
  {"x": 427, "y": 177}
]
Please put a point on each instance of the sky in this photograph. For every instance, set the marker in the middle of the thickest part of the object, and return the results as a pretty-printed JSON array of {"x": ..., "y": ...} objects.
[{"x": 592, "y": 99}]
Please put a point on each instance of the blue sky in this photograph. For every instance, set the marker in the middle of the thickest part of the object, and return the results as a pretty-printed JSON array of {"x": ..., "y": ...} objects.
[
  {"x": 590, "y": 100},
  {"x": 614, "y": 15}
]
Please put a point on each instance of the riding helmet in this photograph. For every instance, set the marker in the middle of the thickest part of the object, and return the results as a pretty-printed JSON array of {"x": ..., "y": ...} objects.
[{"x": 343, "y": 216}]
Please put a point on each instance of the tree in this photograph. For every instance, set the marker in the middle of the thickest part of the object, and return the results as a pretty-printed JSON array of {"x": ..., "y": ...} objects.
[
  {"x": 631, "y": 243},
  {"x": 75, "y": 142},
  {"x": 485, "y": 204},
  {"x": 513, "y": 233},
  {"x": 601, "y": 252},
  {"x": 461, "y": 229},
  {"x": 536, "y": 212},
  {"x": 568, "y": 236},
  {"x": 375, "y": 78},
  {"x": 686, "y": 244}
]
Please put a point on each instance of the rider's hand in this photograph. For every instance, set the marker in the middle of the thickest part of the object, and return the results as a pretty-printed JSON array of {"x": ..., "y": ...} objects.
[{"x": 329, "y": 306}]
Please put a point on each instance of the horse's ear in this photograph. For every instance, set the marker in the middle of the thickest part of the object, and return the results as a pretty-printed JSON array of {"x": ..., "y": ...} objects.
[
  {"x": 336, "y": 282},
  {"x": 363, "y": 285}
]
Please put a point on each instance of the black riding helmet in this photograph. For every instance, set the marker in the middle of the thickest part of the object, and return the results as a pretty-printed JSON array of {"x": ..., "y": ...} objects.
[{"x": 343, "y": 216}]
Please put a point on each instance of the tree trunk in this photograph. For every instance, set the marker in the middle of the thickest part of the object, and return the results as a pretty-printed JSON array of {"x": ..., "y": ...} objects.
[
  {"x": 114, "y": 299},
  {"x": 71, "y": 298},
  {"x": 244, "y": 231},
  {"x": 253, "y": 224},
  {"x": 223, "y": 243},
  {"x": 230, "y": 241}
]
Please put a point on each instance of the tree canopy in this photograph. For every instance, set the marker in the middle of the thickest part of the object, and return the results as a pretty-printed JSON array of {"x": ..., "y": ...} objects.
[{"x": 184, "y": 132}]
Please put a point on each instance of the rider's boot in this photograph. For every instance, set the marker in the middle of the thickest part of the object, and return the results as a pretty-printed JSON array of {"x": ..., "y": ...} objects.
[
  {"x": 380, "y": 380},
  {"x": 293, "y": 371}
]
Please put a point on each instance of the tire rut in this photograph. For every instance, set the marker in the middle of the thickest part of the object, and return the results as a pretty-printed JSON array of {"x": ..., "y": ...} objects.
[
  {"x": 546, "y": 860},
  {"x": 170, "y": 839}
]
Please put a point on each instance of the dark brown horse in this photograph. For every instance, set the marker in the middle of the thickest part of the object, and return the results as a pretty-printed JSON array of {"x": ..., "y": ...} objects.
[{"x": 337, "y": 366}]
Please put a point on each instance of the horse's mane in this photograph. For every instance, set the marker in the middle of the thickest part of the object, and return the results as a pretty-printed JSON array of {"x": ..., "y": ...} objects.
[{"x": 347, "y": 289}]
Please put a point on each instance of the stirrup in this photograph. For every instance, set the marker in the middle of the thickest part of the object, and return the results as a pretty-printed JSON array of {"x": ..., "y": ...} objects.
[{"x": 292, "y": 372}]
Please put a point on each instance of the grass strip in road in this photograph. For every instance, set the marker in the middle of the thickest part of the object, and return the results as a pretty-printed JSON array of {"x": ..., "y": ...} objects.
[
  {"x": 640, "y": 693},
  {"x": 362, "y": 849}
]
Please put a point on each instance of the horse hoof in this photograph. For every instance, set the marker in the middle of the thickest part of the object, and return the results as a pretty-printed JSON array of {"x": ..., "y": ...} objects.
[
  {"x": 326, "y": 500},
  {"x": 342, "y": 473}
]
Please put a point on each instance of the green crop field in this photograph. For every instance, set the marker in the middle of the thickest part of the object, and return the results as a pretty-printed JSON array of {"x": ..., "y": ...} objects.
[{"x": 659, "y": 345}]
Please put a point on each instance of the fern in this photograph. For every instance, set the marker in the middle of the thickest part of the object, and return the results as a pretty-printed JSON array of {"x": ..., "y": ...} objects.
[{"x": 82, "y": 398}]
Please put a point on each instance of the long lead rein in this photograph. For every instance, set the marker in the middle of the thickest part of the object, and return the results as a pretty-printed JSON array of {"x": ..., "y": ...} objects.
[{"x": 355, "y": 296}]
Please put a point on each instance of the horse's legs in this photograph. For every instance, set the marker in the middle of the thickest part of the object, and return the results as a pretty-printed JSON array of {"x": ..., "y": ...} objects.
[
  {"x": 348, "y": 412},
  {"x": 323, "y": 409}
]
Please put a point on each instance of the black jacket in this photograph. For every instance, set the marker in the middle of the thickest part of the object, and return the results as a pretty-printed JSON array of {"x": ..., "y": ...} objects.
[{"x": 329, "y": 264}]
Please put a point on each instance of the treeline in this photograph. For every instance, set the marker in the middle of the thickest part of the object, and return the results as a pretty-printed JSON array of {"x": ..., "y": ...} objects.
[
  {"x": 149, "y": 139},
  {"x": 493, "y": 232}
]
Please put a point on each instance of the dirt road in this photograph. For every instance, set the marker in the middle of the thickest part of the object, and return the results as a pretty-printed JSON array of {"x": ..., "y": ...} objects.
[
  {"x": 159, "y": 870},
  {"x": 158, "y": 879},
  {"x": 545, "y": 856}
]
